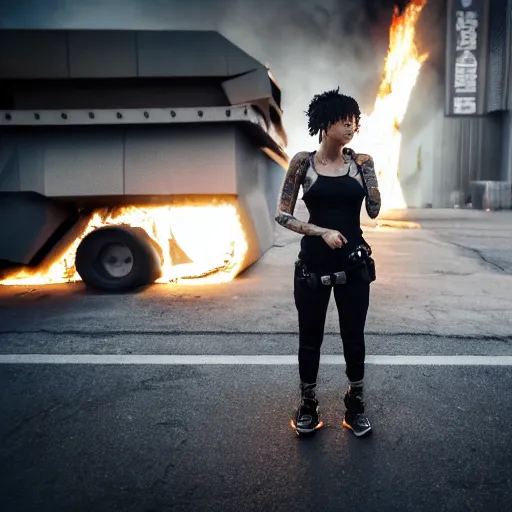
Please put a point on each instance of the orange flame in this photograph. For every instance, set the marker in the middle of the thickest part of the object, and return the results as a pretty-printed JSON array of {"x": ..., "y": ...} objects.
[
  {"x": 210, "y": 237},
  {"x": 380, "y": 131}
]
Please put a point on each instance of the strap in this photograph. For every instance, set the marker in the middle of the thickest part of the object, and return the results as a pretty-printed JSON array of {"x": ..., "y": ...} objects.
[
  {"x": 365, "y": 186},
  {"x": 304, "y": 168}
]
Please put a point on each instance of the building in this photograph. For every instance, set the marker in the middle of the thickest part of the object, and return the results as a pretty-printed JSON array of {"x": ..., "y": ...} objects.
[{"x": 457, "y": 131}]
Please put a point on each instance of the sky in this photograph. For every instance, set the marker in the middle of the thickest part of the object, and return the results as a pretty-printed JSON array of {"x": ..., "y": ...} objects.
[{"x": 309, "y": 45}]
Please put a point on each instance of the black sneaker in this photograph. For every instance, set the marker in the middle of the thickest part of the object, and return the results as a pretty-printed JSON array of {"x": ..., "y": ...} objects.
[
  {"x": 307, "y": 419},
  {"x": 355, "y": 418},
  {"x": 358, "y": 423}
]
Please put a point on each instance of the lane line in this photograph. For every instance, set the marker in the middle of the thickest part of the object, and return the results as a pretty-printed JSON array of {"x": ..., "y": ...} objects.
[{"x": 110, "y": 359}]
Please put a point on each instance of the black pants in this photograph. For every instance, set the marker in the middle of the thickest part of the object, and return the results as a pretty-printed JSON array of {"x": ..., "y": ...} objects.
[{"x": 352, "y": 301}]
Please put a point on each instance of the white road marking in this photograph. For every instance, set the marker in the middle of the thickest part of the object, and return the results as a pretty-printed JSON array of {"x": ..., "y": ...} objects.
[{"x": 102, "y": 359}]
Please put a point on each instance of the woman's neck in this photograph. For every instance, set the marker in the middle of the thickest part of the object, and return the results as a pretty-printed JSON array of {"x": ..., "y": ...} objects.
[{"x": 330, "y": 149}]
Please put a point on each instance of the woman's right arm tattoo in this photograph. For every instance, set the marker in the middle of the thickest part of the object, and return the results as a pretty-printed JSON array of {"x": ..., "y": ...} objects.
[{"x": 288, "y": 198}]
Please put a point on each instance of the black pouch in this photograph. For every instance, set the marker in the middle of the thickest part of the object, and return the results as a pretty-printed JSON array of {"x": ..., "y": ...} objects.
[
  {"x": 361, "y": 272},
  {"x": 358, "y": 273},
  {"x": 370, "y": 262},
  {"x": 302, "y": 274},
  {"x": 363, "y": 268}
]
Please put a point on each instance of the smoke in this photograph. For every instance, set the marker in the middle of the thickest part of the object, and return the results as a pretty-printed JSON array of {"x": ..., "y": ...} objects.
[
  {"x": 319, "y": 45},
  {"x": 310, "y": 45}
]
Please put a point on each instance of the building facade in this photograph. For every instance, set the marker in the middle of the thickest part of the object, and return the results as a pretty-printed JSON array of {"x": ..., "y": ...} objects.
[{"x": 457, "y": 132}]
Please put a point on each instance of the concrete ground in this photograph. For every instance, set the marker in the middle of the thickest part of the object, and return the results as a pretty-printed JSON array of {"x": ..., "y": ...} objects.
[{"x": 148, "y": 431}]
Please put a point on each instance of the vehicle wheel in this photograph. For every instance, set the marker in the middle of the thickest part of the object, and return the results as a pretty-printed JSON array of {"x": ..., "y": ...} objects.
[{"x": 118, "y": 258}]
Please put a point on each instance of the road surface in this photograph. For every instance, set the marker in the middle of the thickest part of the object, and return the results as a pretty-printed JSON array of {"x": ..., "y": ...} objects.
[{"x": 179, "y": 398}]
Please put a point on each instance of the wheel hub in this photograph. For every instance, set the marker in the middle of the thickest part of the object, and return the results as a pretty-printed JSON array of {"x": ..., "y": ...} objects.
[{"x": 117, "y": 260}]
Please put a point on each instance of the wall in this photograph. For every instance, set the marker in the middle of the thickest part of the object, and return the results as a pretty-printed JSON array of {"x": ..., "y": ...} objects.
[
  {"x": 440, "y": 156},
  {"x": 443, "y": 155},
  {"x": 506, "y": 168},
  {"x": 417, "y": 161}
]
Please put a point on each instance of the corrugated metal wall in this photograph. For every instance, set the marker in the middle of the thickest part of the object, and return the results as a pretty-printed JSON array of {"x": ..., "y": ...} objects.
[
  {"x": 470, "y": 150},
  {"x": 454, "y": 152},
  {"x": 497, "y": 61},
  {"x": 507, "y": 172}
]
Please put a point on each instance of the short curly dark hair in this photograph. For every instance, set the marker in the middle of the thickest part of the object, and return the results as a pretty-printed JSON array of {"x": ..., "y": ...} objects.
[{"x": 330, "y": 107}]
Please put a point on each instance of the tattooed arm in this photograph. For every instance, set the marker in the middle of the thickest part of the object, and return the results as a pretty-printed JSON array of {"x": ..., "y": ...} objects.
[
  {"x": 288, "y": 198},
  {"x": 373, "y": 203}
]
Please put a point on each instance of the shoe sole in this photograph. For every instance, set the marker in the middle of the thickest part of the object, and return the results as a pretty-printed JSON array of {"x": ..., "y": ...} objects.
[
  {"x": 358, "y": 434},
  {"x": 304, "y": 431}
]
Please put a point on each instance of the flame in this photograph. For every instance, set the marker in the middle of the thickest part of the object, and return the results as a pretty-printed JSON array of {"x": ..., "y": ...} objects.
[
  {"x": 380, "y": 134},
  {"x": 210, "y": 238}
]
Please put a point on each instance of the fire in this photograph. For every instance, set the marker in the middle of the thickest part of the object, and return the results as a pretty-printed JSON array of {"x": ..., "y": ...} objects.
[
  {"x": 210, "y": 239},
  {"x": 380, "y": 131}
]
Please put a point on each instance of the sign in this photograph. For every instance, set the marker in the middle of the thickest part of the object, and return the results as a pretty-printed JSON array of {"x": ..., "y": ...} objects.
[{"x": 466, "y": 57}]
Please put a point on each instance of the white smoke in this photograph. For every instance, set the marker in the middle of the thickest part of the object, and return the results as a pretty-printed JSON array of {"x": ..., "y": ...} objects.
[{"x": 315, "y": 46}]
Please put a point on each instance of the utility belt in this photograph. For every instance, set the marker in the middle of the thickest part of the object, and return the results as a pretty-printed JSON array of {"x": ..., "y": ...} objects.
[{"x": 360, "y": 269}]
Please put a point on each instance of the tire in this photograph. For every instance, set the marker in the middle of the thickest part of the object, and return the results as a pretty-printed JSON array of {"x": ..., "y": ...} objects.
[{"x": 118, "y": 259}]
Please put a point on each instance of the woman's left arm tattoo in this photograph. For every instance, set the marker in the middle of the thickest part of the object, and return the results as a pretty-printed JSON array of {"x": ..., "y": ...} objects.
[{"x": 373, "y": 200}]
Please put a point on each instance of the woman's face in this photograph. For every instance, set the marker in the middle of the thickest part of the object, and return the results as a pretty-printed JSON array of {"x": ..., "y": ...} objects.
[{"x": 342, "y": 131}]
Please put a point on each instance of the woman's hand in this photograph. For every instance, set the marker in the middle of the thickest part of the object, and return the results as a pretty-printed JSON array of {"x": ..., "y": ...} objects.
[{"x": 334, "y": 239}]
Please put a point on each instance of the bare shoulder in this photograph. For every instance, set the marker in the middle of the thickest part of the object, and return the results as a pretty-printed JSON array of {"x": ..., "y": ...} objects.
[
  {"x": 298, "y": 160},
  {"x": 362, "y": 158}
]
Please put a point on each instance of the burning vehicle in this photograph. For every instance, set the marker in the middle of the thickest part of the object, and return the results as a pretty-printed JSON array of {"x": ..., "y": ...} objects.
[{"x": 133, "y": 157}]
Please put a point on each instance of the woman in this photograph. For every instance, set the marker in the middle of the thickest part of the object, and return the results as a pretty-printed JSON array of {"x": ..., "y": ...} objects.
[{"x": 333, "y": 253}]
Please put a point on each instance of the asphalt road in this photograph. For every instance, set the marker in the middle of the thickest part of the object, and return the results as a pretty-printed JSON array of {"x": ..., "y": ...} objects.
[
  {"x": 181, "y": 438},
  {"x": 147, "y": 431}
]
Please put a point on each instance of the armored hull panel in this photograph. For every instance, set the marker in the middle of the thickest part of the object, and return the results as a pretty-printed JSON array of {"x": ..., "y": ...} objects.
[
  {"x": 78, "y": 54},
  {"x": 137, "y": 165}
]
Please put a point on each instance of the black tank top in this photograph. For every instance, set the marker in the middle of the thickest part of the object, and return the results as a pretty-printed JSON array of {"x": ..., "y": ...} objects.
[{"x": 333, "y": 203}]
